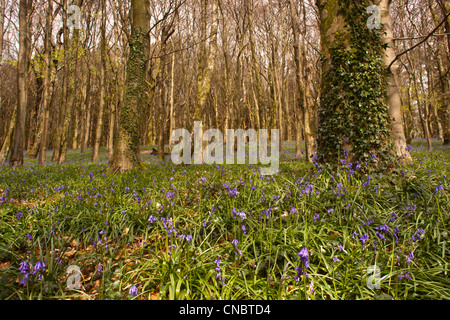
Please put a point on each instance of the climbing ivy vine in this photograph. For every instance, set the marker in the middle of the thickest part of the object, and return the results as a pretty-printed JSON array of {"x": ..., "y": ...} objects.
[{"x": 353, "y": 115}]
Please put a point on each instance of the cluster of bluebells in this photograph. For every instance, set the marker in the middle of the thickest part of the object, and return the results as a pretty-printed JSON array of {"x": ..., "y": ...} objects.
[
  {"x": 339, "y": 190},
  {"x": 406, "y": 275},
  {"x": 418, "y": 234},
  {"x": 267, "y": 212},
  {"x": 26, "y": 268},
  {"x": 411, "y": 209},
  {"x": 232, "y": 192},
  {"x": 304, "y": 260},
  {"x": 133, "y": 291},
  {"x": 235, "y": 242},
  {"x": 241, "y": 217},
  {"x": 218, "y": 271},
  {"x": 363, "y": 238},
  {"x": 384, "y": 228}
]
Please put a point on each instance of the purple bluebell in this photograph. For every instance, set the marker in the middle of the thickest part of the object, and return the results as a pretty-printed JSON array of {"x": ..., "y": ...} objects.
[
  {"x": 39, "y": 266},
  {"x": 133, "y": 291},
  {"x": 24, "y": 280},
  {"x": 24, "y": 267},
  {"x": 364, "y": 238}
]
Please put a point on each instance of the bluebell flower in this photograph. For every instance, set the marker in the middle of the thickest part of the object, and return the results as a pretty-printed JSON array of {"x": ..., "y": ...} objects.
[
  {"x": 24, "y": 267},
  {"x": 133, "y": 291},
  {"x": 24, "y": 280},
  {"x": 218, "y": 271},
  {"x": 364, "y": 238},
  {"x": 410, "y": 257},
  {"x": 241, "y": 215},
  {"x": 99, "y": 269},
  {"x": 315, "y": 217},
  {"x": 234, "y": 192},
  {"x": 406, "y": 275},
  {"x": 304, "y": 257},
  {"x": 39, "y": 266}
]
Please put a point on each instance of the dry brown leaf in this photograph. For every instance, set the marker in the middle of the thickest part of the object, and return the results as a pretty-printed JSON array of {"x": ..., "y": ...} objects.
[
  {"x": 154, "y": 296},
  {"x": 70, "y": 253}
]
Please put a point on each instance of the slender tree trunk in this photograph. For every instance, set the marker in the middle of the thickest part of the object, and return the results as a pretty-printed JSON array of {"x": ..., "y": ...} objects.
[
  {"x": 47, "y": 83},
  {"x": 172, "y": 100},
  {"x": 395, "y": 104},
  {"x": 256, "y": 77},
  {"x": 300, "y": 75},
  {"x": 2, "y": 19},
  {"x": 60, "y": 135},
  {"x": 9, "y": 135},
  {"x": 99, "y": 126},
  {"x": 17, "y": 154},
  {"x": 228, "y": 98},
  {"x": 445, "y": 7},
  {"x": 206, "y": 64},
  {"x": 86, "y": 112}
]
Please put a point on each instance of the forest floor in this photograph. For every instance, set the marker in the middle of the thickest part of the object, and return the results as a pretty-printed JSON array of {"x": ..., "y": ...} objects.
[{"x": 225, "y": 232}]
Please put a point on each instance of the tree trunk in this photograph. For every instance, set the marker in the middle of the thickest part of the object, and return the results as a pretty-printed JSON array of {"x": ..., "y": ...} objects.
[
  {"x": 395, "y": 104},
  {"x": 172, "y": 100},
  {"x": 2, "y": 19},
  {"x": 86, "y": 112},
  {"x": 206, "y": 65},
  {"x": 256, "y": 77},
  {"x": 47, "y": 83},
  {"x": 445, "y": 6},
  {"x": 348, "y": 130},
  {"x": 9, "y": 134},
  {"x": 99, "y": 126},
  {"x": 18, "y": 144},
  {"x": 300, "y": 76},
  {"x": 126, "y": 140}
]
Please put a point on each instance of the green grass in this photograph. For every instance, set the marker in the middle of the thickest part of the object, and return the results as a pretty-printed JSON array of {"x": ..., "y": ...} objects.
[{"x": 79, "y": 214}]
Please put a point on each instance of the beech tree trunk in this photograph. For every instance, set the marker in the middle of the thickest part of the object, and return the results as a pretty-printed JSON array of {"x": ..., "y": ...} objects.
[
  {"x": 18, "y": 144},
  {"x": 300, "y": 76},
  {"x": 47, "y": 80},
  {"x": 126, "y": 140},
  {"x": 395, "y": 103},
  {"x": 99, "y": 125}
]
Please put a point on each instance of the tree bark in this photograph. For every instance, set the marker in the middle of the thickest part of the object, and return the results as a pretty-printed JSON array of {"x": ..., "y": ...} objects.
[
  {"x": 126, "y": 141},
  {"x": 300, "y": 76},
  {"x": 206, "y": 64},
  {"x": 99, "y": 125},
  {"x": 2, "y": 19},
  {"x": 395, "y": 103},
  {"x": 445, "y": 7},
  {"x": 9, "y": 134},
  {"x": 47, "y": 82},
  {"x": 17, "y": 154}
]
